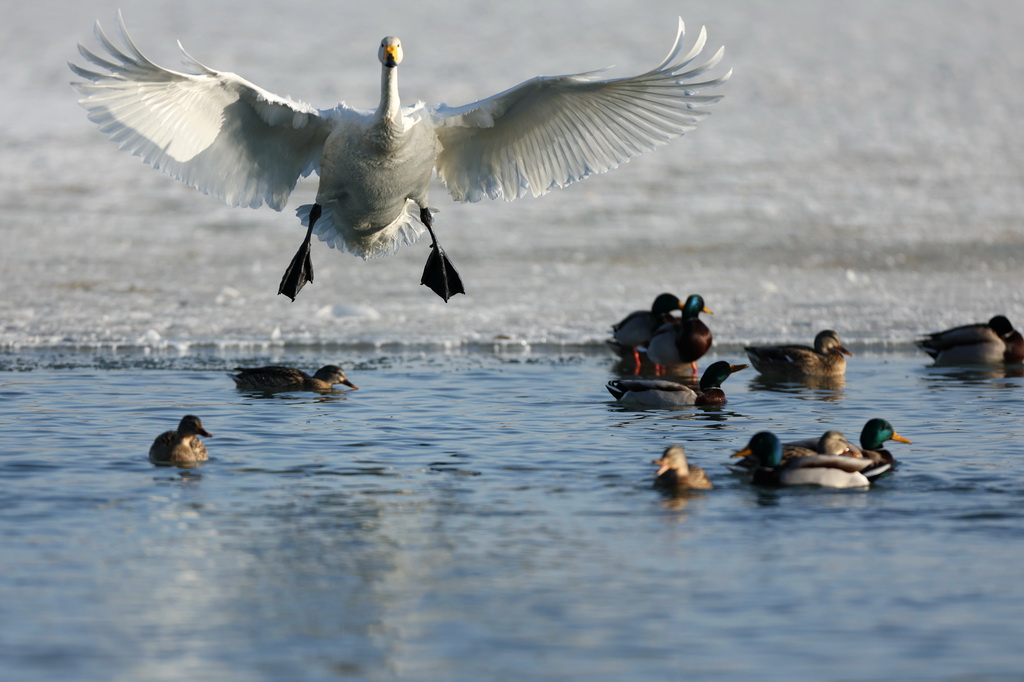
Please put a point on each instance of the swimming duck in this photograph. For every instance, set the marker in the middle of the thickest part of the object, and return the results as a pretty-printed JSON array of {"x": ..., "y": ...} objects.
[
  {"x": 275, "y": 378},
  {"x": 636, "y": 328},
  {"x": 981, "y": 343},
  {"x": 674, "y": 473},
  {"x": 872, "y": 440},
  {"x": 829, "y": 471},
  {"x": 227, "y": 137},
  {"x": 825, "y": 359},
  {"x": 829, "y": 443},
  {"x": 182, "y": 446},
  {"x": 662, "y": 393},
  {"x": 675, "y": 343}
]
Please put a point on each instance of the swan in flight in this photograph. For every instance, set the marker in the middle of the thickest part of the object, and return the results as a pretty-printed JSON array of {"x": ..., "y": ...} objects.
[{"x": 225, "y": 136}]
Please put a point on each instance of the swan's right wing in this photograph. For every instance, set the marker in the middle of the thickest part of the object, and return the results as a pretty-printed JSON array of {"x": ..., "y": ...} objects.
[{"x": 212, "y": 130}]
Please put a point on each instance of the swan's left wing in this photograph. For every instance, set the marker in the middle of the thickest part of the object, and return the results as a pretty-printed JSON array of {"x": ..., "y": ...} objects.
[
  {"x": 551, "y": 131},
  {"x": 212, "y": 130}
]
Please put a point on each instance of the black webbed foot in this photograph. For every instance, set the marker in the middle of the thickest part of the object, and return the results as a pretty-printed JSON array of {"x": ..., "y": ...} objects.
[
  {"x": 300, "y": 270},
  {"x": 439, "y": 274}
]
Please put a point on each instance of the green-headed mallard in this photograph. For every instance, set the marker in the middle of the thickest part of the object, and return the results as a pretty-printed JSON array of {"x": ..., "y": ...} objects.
[
  {"x": 676, "y": 343},
  {"x": 662, "y": 393},
  {"x": 825, "y": 359},
  {"x": 872, "y": 441},
  {"x": 635, "y": 329},
  {"x": 182, "y": 446},
  {"x": 274, "y": 378},
  {"x": 829, "y": 471},
  {"x": 981, "y": 343},
  {"x": 674, "y": 473},
  {"x": 831, "y": 442}
]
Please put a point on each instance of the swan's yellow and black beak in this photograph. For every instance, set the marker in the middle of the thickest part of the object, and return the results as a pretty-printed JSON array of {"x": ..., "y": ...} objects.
[{"x": 391, "y": 57}]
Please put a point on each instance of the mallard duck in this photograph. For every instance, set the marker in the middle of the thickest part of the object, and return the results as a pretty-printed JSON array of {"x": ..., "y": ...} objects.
[
  {"x": 675, "y": 343},
  {"x": 829, "y": 443},
  {"x": 872, "y": 440},
  {"x": 275, "y": 378},
  {"x": 635, "y": 329},
  {"x": 230, "y": 138},
  {"x": 674, "y": 473},
  {"x": 982, "y": 343},
  {"x": 182, "y": 446},
  {"x": 662, "y": 393},
  {"x": 825, "y": 359},
  {"x": 829, "y": 471}
]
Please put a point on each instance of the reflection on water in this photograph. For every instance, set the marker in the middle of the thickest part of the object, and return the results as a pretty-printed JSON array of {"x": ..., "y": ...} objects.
[
  {"x": 481, "y": 517},
  {"x": 826, "y": 389}
]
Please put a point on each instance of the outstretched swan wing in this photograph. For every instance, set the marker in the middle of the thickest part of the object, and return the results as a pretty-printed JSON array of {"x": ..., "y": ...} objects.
[
  {"x": 551, "y": 131},
  {"x": 212, "y": 130}
]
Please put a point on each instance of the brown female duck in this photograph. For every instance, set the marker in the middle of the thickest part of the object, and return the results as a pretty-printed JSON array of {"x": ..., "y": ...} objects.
[
  {"x": 825, "y": 359},
  {"x": 274, "y": 378},
  {"x": 182, "y": 446}
]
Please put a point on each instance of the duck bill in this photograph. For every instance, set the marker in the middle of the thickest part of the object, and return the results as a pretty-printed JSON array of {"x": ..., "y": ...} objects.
[
  {"x": 350, "y": 384},
  {"x": 662, "y": 466},
  {"x": 742, "y": 453},
  {"x": 843, "y": 350},
  {"x": 899, "y": 439},
  {"x": 735, "y": 368},
  {"x": 707, "y": 310},
  {"x": 204, "y": 432}
]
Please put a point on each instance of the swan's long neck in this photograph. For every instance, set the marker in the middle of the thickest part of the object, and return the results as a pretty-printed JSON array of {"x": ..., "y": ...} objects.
[{"x": 388, "y": 119}]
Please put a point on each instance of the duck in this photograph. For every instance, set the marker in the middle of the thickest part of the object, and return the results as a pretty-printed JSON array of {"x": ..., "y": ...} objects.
[
  {"x": 674, "y": 473},
  {"x": 828, "y": 471},
  {"x": 230, "y": 138},
  {"x": 635, "y": 329},
  {"x": 274, "y": 378},
  {"x": 676, "y": 343},
  {"x": 831, "y": 442},
  {"x": 989, "y": 342},
  {"x": 872, "y": 441},
  {"x": 826, "y": 358},
  {"x": 182, "y": 446},
  {"x": 664, "y": 393}
]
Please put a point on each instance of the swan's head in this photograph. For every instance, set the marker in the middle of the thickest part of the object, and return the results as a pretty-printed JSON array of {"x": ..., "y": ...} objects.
[{"x": 390, "y": 53}]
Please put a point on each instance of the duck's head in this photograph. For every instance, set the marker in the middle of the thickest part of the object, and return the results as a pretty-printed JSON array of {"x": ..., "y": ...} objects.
[
  {"x": 190, "y": 426},
  {"x": 876, "y": 432},
  {"x": 828, "y": 340},
  {"x": 835, "y": 443},
  {"x": 716, "y": 373},
  {"x": 665, "y": 304},
  {"x": 390, "y": 53},
  {"x": 673, "y": 459},
  {"x": 694, "y": 306},
  {"x": 1001, "y": 325},
  {"x": 766, "y": 449},
  {"x": 333, "y": 374}
]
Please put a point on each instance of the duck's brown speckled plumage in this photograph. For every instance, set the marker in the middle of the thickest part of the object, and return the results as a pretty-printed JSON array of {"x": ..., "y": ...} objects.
[
  {"x": 182, "y": 446},
  {"x": 824, "y": 359},
  {"x": 675, "y": 473},
  {"x": 275, "y": 378}
]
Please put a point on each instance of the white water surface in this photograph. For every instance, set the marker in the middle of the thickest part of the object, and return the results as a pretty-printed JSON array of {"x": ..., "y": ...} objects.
[{"x": 863, "y": 172}]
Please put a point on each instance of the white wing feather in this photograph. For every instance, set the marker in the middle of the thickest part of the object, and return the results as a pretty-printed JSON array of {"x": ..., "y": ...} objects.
[
  {"x": 213, "y": 130},
  {"x": 551, "y": 131}
]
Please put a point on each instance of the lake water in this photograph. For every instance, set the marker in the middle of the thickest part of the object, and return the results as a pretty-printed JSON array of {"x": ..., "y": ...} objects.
[{"x": 480, "y": 509}]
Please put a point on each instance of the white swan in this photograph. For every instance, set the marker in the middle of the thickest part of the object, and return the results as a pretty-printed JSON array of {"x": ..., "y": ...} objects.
[{"x": 227, "y": 137}]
